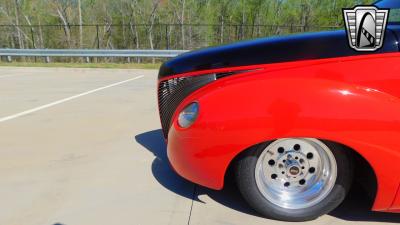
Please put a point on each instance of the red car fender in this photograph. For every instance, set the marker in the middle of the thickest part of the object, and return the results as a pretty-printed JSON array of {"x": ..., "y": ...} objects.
[{"x": 241, "y": 111}]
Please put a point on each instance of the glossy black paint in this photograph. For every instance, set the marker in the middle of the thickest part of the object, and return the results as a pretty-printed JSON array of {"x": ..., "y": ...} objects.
[
  {"x": 388, "y": 4},
  {"x": 306, "y": 46}
]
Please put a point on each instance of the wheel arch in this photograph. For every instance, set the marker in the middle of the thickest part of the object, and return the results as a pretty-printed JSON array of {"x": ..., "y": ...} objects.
[{"x": 363, "y": 171}]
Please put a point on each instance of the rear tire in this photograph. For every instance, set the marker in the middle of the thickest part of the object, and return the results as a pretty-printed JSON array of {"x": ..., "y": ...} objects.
[{"x": 295, "y": 179}]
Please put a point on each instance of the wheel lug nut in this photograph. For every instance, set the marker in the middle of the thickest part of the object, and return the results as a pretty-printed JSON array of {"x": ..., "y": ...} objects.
[
  {"x": 287, "y": 184},
  {"x": 311, "y": 170},
  {"x": 302, "y": 182},
  {"x": 310, "y": 155},
  {"x": 274, "y": 176},
  {"x": 281, "y": 150},
  {"x": 271, "y": 162},
  {"x": 296, "y": 147}
]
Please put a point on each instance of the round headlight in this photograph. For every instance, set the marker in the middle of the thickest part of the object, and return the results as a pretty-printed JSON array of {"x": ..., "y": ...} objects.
[{"x": 188, "y": 115}]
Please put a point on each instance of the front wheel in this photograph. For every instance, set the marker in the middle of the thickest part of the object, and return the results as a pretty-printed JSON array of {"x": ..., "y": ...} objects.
[{"x": 294, "y": 179}]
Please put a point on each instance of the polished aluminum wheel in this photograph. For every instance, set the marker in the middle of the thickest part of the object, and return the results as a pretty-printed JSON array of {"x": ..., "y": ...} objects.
[{"x": 296, "y": 173}]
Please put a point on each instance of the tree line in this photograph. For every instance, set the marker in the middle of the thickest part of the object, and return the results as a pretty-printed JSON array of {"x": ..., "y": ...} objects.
[{"x": 159, "y": 24}]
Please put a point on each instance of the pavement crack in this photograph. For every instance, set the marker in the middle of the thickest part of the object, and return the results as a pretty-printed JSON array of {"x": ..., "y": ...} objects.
[{"x": 191, "y": 206}]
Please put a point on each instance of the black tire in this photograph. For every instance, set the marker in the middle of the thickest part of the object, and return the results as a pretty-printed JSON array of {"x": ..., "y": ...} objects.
[{"x": 246, "y": 182}]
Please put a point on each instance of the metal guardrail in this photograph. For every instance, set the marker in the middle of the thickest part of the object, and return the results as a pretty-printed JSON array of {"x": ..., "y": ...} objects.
[{"x": 90, "y": 53}]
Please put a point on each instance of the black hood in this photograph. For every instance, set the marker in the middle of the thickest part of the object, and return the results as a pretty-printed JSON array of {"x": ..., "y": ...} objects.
[{"x": 319, "y": 45}]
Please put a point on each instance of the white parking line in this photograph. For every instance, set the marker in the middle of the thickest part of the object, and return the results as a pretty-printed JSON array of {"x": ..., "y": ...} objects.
[
  {"x": 24, "y": 113},
  {"x": 9, "y": 75}
]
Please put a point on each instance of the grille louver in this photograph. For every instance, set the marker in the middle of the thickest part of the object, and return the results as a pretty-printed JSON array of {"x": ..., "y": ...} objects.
[{"x": 172, "y": 92}]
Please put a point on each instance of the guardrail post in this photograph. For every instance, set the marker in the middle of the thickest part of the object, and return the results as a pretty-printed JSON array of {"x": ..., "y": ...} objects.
[
  {"x": 87, "y": 59},
  {"x": 47, "y": 59},
  {"x": 9, "y": 59}
]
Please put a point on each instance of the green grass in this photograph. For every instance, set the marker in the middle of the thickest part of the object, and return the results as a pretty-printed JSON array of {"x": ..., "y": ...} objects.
[{"x": 85, "y": 65}]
